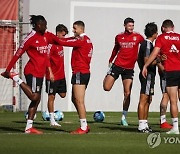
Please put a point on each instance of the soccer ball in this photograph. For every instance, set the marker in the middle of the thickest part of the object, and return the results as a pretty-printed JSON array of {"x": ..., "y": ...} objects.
[
  {"x": 45, "y": 116},
  {"x": 26, "y": 115},
  {"x": 99, "y": 116},
  {"x": 58, "y": 115}
]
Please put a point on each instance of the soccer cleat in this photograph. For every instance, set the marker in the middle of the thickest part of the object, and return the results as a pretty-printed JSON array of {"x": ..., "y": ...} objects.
[
  {"x": 124, "y": 122},
  {"x": 12, "y": 74},
  {"x": 55, "y": 124},
  {"x": 173, "y": 132},
  {"x": 165, "y": 125},
  {"x": 149, "y": 129},
  {"x": 80, "y": 131},
  {"x": 145, "y": 130},
  {"x": 33, "y": 131}
]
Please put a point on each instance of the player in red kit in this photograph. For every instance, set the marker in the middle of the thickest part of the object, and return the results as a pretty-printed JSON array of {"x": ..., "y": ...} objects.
[
  {"x": 168, "y": 43},
  {"x": 55, "y": 81},
  {"x": 126, "y": 51},
  {"x": 36, "y": 46},
  {"x": 80, "y": 63}
]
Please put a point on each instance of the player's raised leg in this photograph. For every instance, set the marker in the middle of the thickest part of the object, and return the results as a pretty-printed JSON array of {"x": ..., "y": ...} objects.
[{"x": 108, "y": 82}]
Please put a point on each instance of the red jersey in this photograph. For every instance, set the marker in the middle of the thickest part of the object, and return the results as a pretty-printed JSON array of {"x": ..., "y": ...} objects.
[
  {"x": 56, "y": 57},
  {"x": 81, "y": 53},
  {"x": 169, "y": 44},
  {"x": 36, "y": 46},
  {"x": 126, "y": 49}
]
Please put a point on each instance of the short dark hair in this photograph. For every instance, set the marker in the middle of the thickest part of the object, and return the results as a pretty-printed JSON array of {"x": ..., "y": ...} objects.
[
  {"x": 79, "y": 23},
  {"x": 35, "y": 19},
  {"x": 150, "y": 29},
  {"x": 61, "y": 28},
  {"x": 127, "y": 20},
  {"x": 167, "y": 23}
]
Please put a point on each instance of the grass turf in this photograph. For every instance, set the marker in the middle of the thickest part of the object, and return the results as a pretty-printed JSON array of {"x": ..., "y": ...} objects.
[{"x": 104, "y": 138}]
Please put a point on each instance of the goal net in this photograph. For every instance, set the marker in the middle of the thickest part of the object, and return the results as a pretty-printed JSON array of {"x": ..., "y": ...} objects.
[{"x": 9, "y": 41}]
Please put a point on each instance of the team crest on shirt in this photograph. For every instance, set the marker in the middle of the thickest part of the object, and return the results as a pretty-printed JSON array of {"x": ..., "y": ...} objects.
[
  {"x": 45, "y": 39},
  {"x": 134, "y": 38}
]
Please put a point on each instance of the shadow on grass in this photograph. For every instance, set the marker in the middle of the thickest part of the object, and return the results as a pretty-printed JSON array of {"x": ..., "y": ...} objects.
[
  {"x": 24, "y": 122},
  {"x": 11, "y": 129},
  {"x": 53, "y": 129}
]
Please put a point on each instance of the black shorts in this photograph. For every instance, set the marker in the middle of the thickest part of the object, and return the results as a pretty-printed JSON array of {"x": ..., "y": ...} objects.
[
  {"x": 115, "y": 71},
  {"x": 147, "y": 84},
  {"x": 173, "y": 78},
  {"x": 163, "y": 82},
  {"x": 58, "y": 86},
  {"x": 34, "y": 82},
  {"x": 80, "y": 78}
]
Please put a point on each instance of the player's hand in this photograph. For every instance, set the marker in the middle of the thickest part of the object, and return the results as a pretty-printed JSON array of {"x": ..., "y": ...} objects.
[
  {"x": 144, "y": 72},
  {"x": 5, "y": 74},
  {"x": 51, "y": 77},
  {"x": 163, "y": 57},
  {"x": 110, "y": 65}
]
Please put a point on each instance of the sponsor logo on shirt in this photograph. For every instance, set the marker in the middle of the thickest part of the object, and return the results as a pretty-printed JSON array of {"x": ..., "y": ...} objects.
[
  {"x": 127, "y": 44},
  {"x": 42, "y": 49},
  {"x": 175, "y": 38}
]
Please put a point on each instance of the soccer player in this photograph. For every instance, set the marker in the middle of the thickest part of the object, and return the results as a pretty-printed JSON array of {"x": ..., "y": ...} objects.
[
  {"x": 125, "y": 50},
  {"x": 36, "y": 46},
  {"x": 56, "y": 82},
  {"x": 80, "y": 63},
  {"x": 147, "y": 84},
  {"x": 168, "y": 43}
]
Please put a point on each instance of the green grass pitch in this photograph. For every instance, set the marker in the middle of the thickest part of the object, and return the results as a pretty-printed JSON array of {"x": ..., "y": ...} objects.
[{"x": 107, "y": 137}]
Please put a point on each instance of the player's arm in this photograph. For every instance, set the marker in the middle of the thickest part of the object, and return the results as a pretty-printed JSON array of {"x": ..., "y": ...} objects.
[
  {"x": 161, "y": 59},
  {"x": 160, "y": 66},
  {"x": 69, "y": 42},
  {"x": 51, "y": 75},
  {"x": 73, "y": 42},
  {"x": 115, "y": 51},
  {"x": 49, "y": 70},
  {"x": 152, "y": 56},
  {"x": 17, "y": 55}
]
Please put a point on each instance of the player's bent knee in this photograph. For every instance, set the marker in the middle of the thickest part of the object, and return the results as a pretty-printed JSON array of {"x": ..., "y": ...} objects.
[
  {"x": 51, "y": 97},
  {"x": 107, "y": 87},
  {"x": 35, "y": 97}
]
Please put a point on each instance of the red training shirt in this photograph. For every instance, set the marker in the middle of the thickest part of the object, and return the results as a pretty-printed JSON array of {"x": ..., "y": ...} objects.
[
  {"x": 81, "y": 53},
  {"x": 56, "y": 57},
  {"x": 36, "y": 46},
  {"x": 126, "y": 49},
  {"x": 169, "y": 44}
]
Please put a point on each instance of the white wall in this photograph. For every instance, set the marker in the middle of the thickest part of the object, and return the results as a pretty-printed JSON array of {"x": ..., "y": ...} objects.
[{"x": 104, "y": 20}]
